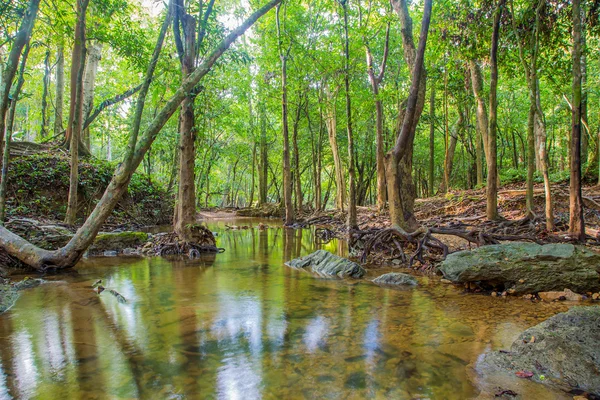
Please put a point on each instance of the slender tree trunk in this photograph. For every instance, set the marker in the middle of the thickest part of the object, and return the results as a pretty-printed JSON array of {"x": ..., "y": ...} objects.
[
  {"x": 251, "y": 197},
  {"x": 76, "y": 110},
  {"x": 60, "y": 91},
  {"x": 431, "y": 140},
  {"x": 297, "y": 171},
  {"x": 492, "y": 177},
  {"x": 12, "y": 63},
  {"x": 451, "y": 149},
  {"x": 352, "y": 223},
  {"x": 89, "y": 81},
  {"x": 46, "y": 83},
  {"x": 264, "y": 160},
  {"x": 287, "y": 172},
  {"x": 576, "y": 221},
  {"x": 9, "y": 131},
  {"x": 331, "y": 122}
]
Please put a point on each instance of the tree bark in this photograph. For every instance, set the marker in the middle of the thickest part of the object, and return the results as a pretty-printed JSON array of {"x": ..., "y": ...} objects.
[
  {"x": 67, "y": 256},
  {"x": 264, "y": 158},
  {"x": 576, "y": 221},
  {"x": 74, "y": 128},
  {"x": 297, "y": 171}
]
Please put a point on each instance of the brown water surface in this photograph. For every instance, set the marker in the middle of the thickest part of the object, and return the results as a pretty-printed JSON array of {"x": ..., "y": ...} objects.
[{"x": 241, "y": 325}]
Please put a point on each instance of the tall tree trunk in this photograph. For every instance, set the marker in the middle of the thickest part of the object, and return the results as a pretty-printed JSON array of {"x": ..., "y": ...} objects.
[
  {"x": 60, "y": 91},
  {"x": 9, "y": 131},
  {"x": 351, "y": 223},
  {"x": 287, "y": 172},
  {"x": 76, "y": 110},
  {"x": 46, "y": 83},
  {"x": 297, "y": 171},
  {"x": 450, "y": 150},
  {"x": 576, "y": 221},
  {"x": 251, "y": 196},
  {"x": 12, "y": 63},
  {"x": 264, "y": 159},
  {"x": 89, "y": 81},
  {"x": 380, "y": 145},
  {"x": 331, "y": 122},
  {"x": 431, "y": 192},
  {"x": 492, "y": 177},
  {"x": 186, "y": 47},
  {"x": 400, "y": 186}
]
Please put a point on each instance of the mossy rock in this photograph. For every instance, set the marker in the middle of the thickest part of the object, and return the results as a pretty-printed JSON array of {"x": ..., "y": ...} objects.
[
  {"x": 395, "y": 279},
  {"x": 118, "y": 241},
  {"x": 326, "y": 264}
]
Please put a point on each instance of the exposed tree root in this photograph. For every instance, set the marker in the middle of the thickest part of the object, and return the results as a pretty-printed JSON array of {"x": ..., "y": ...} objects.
[{"x": 170, "y": 244}]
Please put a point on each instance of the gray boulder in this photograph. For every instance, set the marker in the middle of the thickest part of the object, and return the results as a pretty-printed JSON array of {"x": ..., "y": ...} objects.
[
  {"x": 326, "y": 264},
  {"x": 9, "y": 292},
  {"x": 562, "y": 352},
  {"x": 523, "y": 268},
  {"x": 395, "y": 278}
]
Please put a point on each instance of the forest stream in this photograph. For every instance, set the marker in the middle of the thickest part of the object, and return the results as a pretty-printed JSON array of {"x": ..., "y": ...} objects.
[{"x": 243, "y": 325}]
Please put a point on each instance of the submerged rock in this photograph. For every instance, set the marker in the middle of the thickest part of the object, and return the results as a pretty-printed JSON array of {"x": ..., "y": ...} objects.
[
  {"x": 562, "y": 352},
  {"x": 9, "y": 292},
  {"x": 395, "y": 278},
  {"x": 564, "y": 295},
  {"x": 522, "y": 268},
  {"x": 326, "y": 264}
]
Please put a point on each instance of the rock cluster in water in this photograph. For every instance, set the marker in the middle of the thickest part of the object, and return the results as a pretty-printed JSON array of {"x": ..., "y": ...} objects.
[
  {"x": 522, "y": 268},
  {"x": 326, "y": 264},
  {"x": 563, "y": 352}
]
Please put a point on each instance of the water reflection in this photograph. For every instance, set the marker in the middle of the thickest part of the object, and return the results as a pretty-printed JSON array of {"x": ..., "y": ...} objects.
[{"x": 241, "y": 325}]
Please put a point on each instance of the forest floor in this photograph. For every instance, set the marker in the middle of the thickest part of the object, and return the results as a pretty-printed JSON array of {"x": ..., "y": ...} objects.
[{"x": 465, "y": 213}]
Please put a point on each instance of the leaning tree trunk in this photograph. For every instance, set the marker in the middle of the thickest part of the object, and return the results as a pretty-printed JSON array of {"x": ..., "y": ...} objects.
[
  {"x": 74, "y": 128},
  {"x": 576, "y": 221},
  {"x": 67, "y": 256},
  {"x": 12, "y": 63},
  {"x": 9, "y": 131}
]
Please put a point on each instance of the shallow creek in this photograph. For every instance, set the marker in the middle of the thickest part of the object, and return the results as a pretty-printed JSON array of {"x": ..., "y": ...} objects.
[{"x": 241, "y": 325}]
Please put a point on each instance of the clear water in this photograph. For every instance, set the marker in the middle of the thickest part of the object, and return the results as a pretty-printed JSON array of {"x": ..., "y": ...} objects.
[{"x": 241, "y": 325}]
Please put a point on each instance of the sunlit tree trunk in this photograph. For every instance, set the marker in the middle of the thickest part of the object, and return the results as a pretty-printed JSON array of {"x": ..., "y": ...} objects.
[
  {"x": 89, "y": 81},
  {"x": 431, "y": 171},
  {"x": 331, "y": 122},
  {"x": 576, "y": 221},
  {"x": 297, "y": 170},
  {"x": 264, "y": 160},
  {"x": 46, "y": 83}
]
